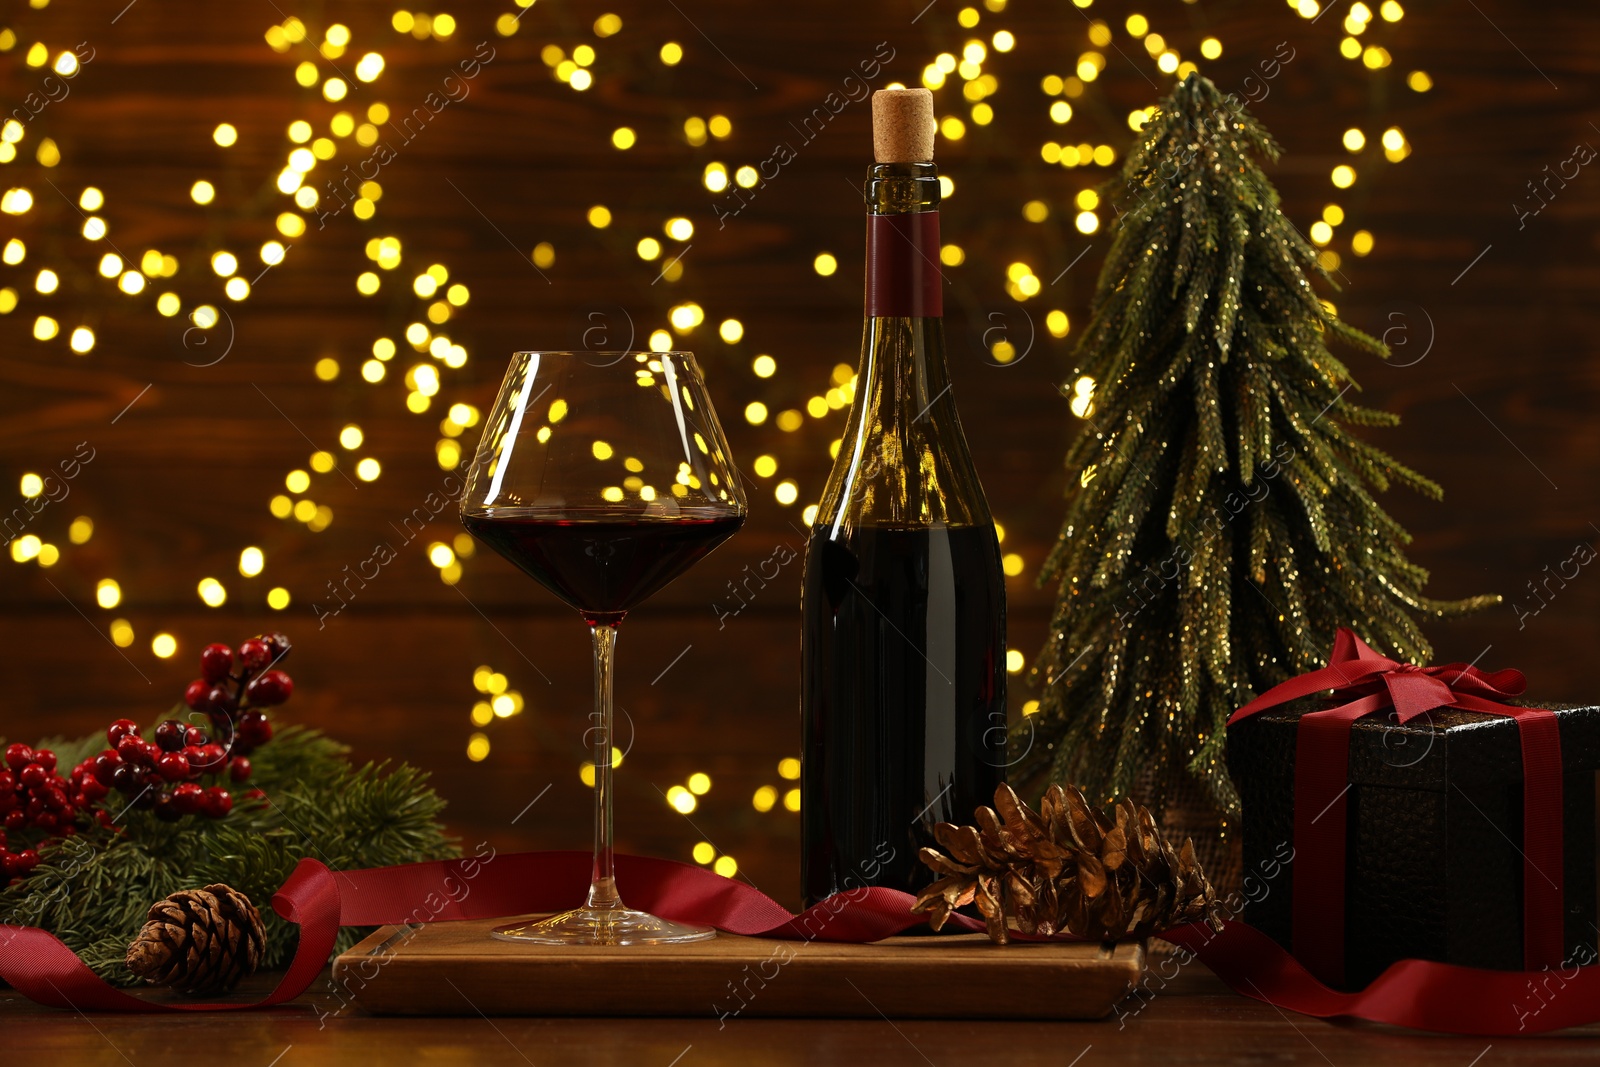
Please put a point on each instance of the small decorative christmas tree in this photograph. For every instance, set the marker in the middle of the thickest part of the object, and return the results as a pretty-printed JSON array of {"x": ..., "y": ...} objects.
[{"x": 1222, "y": 523}]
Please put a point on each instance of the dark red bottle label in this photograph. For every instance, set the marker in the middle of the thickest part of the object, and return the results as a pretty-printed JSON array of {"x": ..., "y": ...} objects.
[{"x": 903, "y": 277}]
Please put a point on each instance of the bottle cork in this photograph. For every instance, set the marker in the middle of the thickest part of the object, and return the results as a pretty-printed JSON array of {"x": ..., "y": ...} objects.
[{"x": 903, "y": 126}]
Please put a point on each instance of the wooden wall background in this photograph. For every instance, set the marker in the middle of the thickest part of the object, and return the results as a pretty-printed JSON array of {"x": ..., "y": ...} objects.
[{"x": 1501, "y": 409}]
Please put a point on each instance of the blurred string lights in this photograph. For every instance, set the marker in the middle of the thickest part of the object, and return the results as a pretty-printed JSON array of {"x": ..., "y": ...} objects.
[
  {"x": 226, "y": 281},
  {"x": 427, "y": 352},
  {"x": 498, "y": 701},
  {"x": 1374, "y": 56}
]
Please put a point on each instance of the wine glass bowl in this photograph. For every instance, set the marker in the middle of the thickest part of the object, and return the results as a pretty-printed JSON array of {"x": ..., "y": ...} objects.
[{"x": 604, "y": 476}]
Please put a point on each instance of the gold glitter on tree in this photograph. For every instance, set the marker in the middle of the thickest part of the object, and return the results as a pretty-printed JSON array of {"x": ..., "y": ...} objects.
[{"x": 1221, "y": 523}]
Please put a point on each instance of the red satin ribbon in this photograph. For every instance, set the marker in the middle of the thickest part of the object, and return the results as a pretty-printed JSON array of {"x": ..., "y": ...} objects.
[
  {"x": 44, "y": 969},
  {"x": 1374, "y": 683},
  {"x": 1413, "y": 993}
]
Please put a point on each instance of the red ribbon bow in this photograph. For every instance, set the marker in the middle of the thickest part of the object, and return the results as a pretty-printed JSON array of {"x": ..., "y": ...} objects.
[{"x": 1371, "y": 683}]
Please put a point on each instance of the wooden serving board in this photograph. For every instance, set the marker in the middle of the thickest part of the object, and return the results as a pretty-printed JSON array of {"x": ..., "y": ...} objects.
[{"x": 456, "y": 968}]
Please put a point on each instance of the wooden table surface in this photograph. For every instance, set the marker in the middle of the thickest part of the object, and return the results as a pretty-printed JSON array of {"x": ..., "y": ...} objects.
[{"x": 1197, "y": 1021}]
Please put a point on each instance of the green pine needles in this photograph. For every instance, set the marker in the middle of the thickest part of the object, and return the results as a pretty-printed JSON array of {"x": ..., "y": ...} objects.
[
  {"x": 1223, "y": 522},
  {"x": 93, "y": 890}
]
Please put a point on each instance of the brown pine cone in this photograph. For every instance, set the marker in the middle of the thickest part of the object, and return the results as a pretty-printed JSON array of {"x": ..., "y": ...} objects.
[
  {"x": 199, "y": 941},
  {"x": 1067, "y": 868}
]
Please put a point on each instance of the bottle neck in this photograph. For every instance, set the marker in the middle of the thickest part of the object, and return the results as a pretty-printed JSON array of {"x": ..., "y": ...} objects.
[
  {"x": 904, "y": 337},
  {"x": 903, "y": 279},
  {"x": 903, "y": 460},
  {"x": 902, "y": 349}
]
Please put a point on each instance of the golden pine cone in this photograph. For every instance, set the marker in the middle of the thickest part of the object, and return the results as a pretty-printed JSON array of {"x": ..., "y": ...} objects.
[
  {"x": 1066, "y": 868},
  {"x": 199, "y": 941}
]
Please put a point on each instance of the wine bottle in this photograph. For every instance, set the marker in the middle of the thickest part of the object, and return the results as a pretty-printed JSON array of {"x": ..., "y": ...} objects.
[{"x": 903, "y": 696}]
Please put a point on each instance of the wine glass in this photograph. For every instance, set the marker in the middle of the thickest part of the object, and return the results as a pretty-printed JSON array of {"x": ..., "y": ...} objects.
[{"x": 604, "y": 475}]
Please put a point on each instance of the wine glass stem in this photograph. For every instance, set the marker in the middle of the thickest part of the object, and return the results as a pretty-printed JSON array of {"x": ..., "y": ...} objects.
[{"x": 602, "y": 881}]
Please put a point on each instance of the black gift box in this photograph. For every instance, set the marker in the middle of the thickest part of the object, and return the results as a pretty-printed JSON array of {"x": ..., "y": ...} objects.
[{"x": 1433, "y": 864}]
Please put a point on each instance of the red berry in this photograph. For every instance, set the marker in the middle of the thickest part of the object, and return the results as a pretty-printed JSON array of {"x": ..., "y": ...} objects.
[
  {"x": 126, "y": 779},
  {"x": 195, "y": 695},
  {"x": 255, "y": 654},
  {"x": 45, "y": 758},
  {"x": 173, "y": 766},
  {"x": 186, "y": 797},
  {"x": 218, "y": 699},
  {"x": 207, "y": 759},
  {"x": 8, "y": 781},
  {"x": 277, "y": 643},
  {"x": 18, "y": 756},
  {"x": 120, "y": 729},
  {"x": 104, "y": 766},
  {"x": 28, "y": 859},
  {"x": 131, "y": 748},
  {"x": 273, "y": 687},
  {"x": 33, "y": 776},
  {"x": 255, "y": 794},
  {"x": 8, "y": 800},
  {"x": 196, "y": 736},
  {"x": 92, "y": 790},
  {"x": 170, "y": 735},
  {"x": 16, "y": 819},
  {"x": 54, "y": 798},
  {"x": 217, "y": 802},
  {"x": 239, "y": 768},
  {"x": 215, "y": 662},
  {"x": 254, "y": 728}
]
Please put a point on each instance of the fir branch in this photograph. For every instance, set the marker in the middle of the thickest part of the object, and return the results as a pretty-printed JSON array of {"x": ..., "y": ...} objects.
[{"x": 93, "y": 890}]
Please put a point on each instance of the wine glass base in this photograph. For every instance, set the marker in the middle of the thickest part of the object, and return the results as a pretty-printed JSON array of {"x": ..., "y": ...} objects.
[{"x": 603, "y": 926}]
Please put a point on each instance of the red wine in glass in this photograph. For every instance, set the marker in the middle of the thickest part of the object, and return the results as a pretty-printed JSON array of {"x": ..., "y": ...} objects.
[
  {"x": 604, "y": 476},
  {"x": 601, "y": 566}
]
